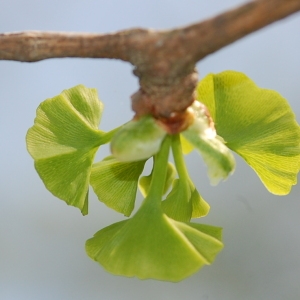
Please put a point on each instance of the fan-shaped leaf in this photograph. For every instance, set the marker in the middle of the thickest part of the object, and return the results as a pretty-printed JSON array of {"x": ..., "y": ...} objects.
[
  {"x": 256, "y": 123},
  {"x": 145, "y": 181},
  {"x": 184, "y": 202},
  {"x": 150, "y": 245},
  {"x": 63, "y": 142},
  {"x": 115, "y": 183}
]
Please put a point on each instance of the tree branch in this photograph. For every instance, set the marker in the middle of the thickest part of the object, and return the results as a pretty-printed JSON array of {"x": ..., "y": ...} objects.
[
  {"x": 32, "y": 46},
  {"x": 222, "y": 30},
  {"x": 206, "y": 37},
  {"x": 164, "y": 60}
]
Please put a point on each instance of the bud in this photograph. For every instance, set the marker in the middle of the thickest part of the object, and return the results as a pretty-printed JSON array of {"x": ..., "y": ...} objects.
[
  {"x": 137, "y": 139},
  {"x": 202, "y": 135}
]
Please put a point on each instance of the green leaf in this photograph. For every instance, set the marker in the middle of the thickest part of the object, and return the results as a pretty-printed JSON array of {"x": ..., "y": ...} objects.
[
  {"x": 151, "y": 245},
  {"x": 200, "y": 208},
  {"x": 187, "y": 147},
  {"x": 256, "y": 123},
  {"x": 178, "y": 205},
  {"x": 145, "y": 181},
  {"x": 137, "y": 140},
  {"x": 184, "y": 202},
  {"x": 63, "y": 142},
  {"x": 115, "y": 183}
]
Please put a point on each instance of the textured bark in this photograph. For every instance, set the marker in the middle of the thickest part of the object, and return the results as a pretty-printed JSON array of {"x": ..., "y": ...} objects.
[{"x": 164, "y": 61}]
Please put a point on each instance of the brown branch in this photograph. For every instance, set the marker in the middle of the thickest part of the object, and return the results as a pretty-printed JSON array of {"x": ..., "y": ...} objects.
[
  {"x": 164, "y": 60},
  {"x": 222, "y": 30},
  {"x": 32, "y": 46}
]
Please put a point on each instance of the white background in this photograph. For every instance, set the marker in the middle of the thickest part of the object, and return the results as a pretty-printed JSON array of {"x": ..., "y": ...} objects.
[{"x": 42, "y": 239}]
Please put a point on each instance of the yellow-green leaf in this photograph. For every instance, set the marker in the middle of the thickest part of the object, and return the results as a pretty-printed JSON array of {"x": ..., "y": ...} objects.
[
  {"x": 115, "y": 183},
  {"x": 63, "y": 142},
  {"x": 187, "y": 147},
  {"x": 145, "y": 181},
  {"x": 256, "y": 123},
  {"x": 151, "y": 245},
  {"x": 184, "y": 202}
]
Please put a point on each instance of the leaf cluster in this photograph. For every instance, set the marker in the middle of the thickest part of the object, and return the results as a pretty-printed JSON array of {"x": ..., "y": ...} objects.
[{"x": 160, "y": 241}]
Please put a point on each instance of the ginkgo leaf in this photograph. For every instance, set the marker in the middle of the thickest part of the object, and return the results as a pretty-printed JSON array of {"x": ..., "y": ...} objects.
[
  {"x": 63, "y": 142},
  {"x": 200, "y": 208},
  {"x": 187, "y": 147},
  {"x": 256, "y": 123},
  {"x": 178, "y": 205},
  {"x": 115, "y": 183},
  {"x": 184, "y": 202},
  {"x": 145, "y": 181},
  {"x": 137, "y": 139},
  {"x": 151, "y": 245}
]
